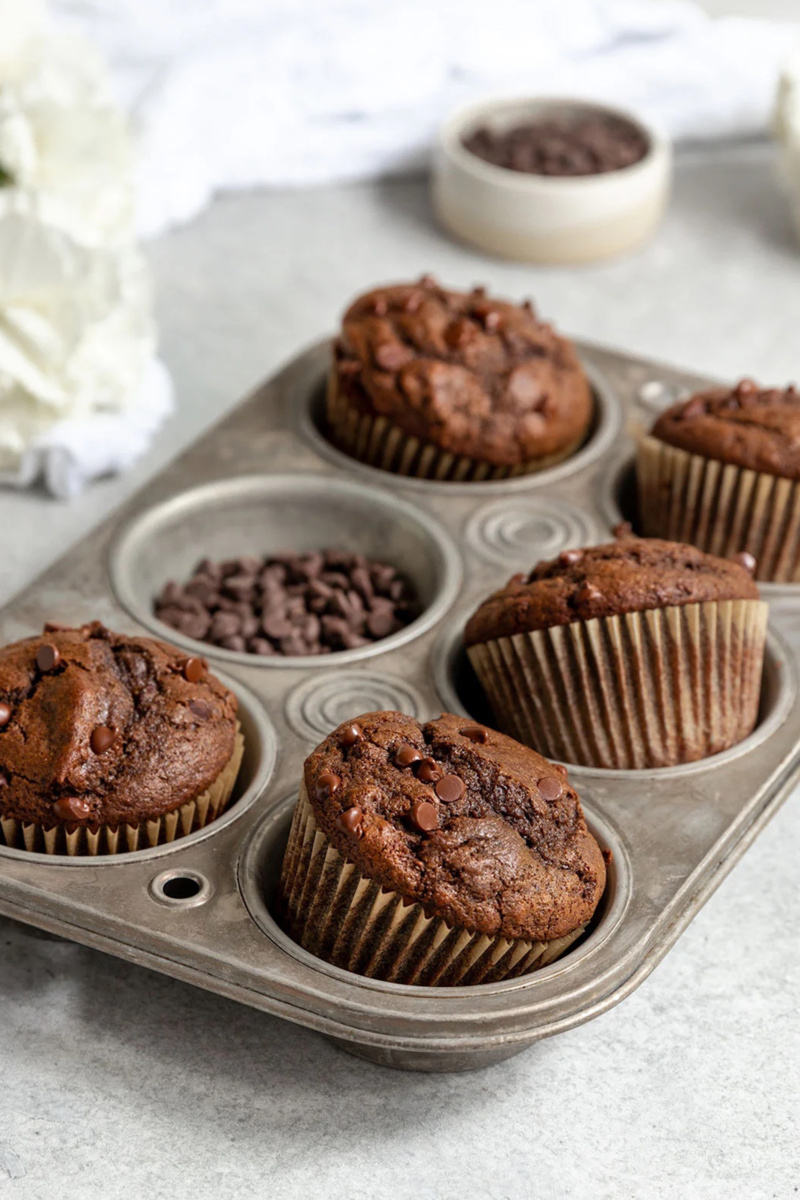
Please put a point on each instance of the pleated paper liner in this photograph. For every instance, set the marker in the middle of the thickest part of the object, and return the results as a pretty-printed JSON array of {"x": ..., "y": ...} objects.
[
  {"x": 721, "y": 508},
  {"x": 333, "y": 911},
  {"x": 120, "y": 839},
  {"x": 379, "y": 442},
  {"x": 643, "y": 689}
]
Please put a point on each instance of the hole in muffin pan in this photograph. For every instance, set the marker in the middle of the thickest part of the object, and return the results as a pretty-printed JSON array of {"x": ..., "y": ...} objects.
[
  {"x": 462, "y": 693},
  {"x": 180, "y": 889},
  {"x": 258, "y": 763},
  {"x": 260, "y": 868},
  {"x": 270, "y": 514},
  {"x": 605, "y": 426}
]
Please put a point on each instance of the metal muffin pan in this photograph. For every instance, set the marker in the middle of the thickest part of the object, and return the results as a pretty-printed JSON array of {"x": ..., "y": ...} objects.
[{"x": 199, "y": 909}]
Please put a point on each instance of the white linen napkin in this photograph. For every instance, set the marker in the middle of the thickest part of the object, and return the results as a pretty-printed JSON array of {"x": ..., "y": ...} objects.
[{"x": 245, "y": 93}]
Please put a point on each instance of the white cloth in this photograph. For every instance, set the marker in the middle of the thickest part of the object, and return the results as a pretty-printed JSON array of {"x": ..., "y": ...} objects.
[{"x": 242, "y": 93}]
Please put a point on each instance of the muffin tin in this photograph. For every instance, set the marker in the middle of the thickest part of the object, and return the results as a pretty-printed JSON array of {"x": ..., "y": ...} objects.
[{"x": 199, "y": 909}]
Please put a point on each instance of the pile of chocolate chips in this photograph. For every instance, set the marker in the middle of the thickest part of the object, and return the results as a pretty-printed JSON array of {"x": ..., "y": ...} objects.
[
  {"x": 587, "y": 145},
  {"x": 291, "y": 604}
]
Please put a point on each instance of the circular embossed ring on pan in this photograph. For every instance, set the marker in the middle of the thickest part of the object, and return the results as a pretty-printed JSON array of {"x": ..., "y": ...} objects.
[
  {"x": 320, "y": 704},
  {"x": 525, "y": 529}
]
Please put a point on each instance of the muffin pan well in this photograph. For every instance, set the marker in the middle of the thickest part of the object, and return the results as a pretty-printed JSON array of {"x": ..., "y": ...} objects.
[{"x": 199, "y": 909}]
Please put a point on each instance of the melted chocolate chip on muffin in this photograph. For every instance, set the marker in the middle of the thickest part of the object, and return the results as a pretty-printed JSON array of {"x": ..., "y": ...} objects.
[
  {"x": 629, "y": 575},
  {"x": 472, "y": 375},
  {"x": 747, "y": 426},
  {"x": 106, "y": 729},
  {"x": 493, "y": 841}
]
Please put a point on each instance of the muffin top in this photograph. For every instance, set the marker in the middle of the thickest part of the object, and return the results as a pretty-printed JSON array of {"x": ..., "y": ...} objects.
[
  {"x": 473, "y": 375},
  {"x": 101, "y": 728},
  {"x": 628, "y": 575},
  {"x": 748, "y": 426},
  {"x": 480, "y": 830}
]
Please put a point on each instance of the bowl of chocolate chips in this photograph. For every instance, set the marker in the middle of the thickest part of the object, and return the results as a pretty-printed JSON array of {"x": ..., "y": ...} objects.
[{"x": 550, "y": 180}]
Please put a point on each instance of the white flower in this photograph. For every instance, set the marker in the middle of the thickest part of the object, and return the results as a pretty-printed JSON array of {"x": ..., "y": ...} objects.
[
  {"x": 75, "y": 330},
  {"x": 63, "y": 142}
]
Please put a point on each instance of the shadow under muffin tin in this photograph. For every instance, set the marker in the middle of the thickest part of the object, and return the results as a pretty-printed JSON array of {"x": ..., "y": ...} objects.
[{"x": 200, "y": 909}]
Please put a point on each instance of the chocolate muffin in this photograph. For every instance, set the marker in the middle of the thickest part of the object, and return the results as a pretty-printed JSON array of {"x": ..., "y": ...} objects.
[
  {"x": 438, "y": 853},
  {"x": 454, "y": 386},
  {"x": 639, "y": 653},
  {"x": 110, "y": 743},
  {"x": 722, "y": 470}
]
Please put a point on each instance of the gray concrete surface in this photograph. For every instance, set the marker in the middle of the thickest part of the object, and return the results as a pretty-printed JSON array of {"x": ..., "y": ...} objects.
[{"x": 115, "y": 1082}]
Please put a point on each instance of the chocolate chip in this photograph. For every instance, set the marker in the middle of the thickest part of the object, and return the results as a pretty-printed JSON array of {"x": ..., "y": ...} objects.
[
  {"x": 746, "y": 560},
  {"x": 327, "y": 783},
  {"x": 568, "y": 558},
  {"x": 745, "y": 388},
  {"x": 351, "y": 735},
  {"x": 590, "y": 143},
  {"x": 549, "y": 788},
  {"x": 193, "y": 670},
  {"x": 587, "y": 593},
  {"x": 5, "y": 713},
  {"x": 562, "y": 770},
  {"x": 103, "y": 737},
  {"x": 48, "y": 657},
  {"x": 695, "y": 407},
  {"x": 392, "y": 355},
  {"x": 380, "y": 307},
  {"x": 428, "y": 770},
  {"x": 406, "y": 754},
  {"x": 290, "y": 604},
  {"x": 475, "y": 733},
  {"x": 71, "y": 808},
  {"x": 350, "y": 820},
  {"x": 201, "y": 709},
  {"x": 450, "y": 788},
  {"x": 427, "y": 281},
  {"x": 3, "y": 781},
  {"x": 57, "y": 627},
  {"x": 424, "y": 816}
]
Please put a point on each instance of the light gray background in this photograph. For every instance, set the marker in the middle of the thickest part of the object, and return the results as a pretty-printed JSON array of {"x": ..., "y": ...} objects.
[{"x": 116, "y": 1082}]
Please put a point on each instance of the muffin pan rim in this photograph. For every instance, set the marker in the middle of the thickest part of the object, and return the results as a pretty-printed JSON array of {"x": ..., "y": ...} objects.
[{"x": 429, "y": 1032}]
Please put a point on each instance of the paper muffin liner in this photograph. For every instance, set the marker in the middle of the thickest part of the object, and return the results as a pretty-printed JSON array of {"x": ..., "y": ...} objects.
[
  {"x": 344, "y": 918},
  {"x": 120, "y": 839},
  {"x": 642, "y": 689},
  {"x": 721, "y": 508},
  {"x": 376, "y": 440}
]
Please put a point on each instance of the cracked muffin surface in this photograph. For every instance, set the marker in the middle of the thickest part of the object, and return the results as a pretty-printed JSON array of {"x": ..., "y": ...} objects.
[
  {"x": 480, "y": 830},
  {"x": 473, "y": 375},
  {"x": 100, "y": 728},
  {"x": 629, "y": 575}
]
